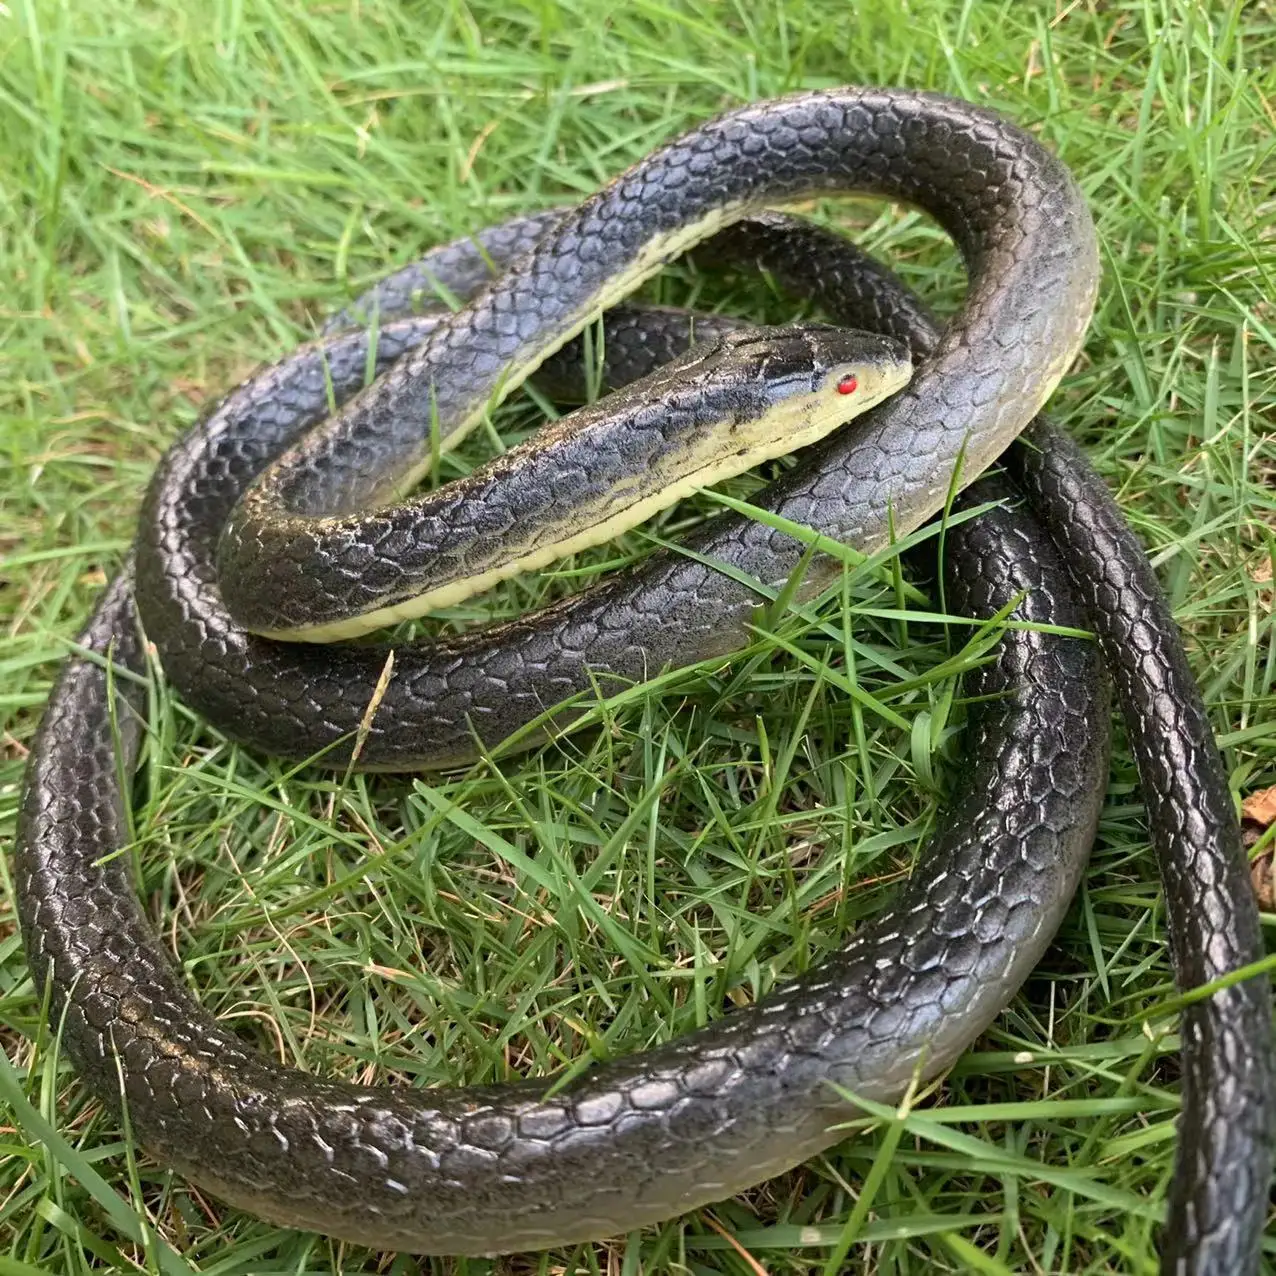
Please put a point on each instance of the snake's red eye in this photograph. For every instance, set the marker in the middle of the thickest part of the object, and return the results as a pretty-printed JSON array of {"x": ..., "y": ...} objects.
[{"x": 848, "y": 384}]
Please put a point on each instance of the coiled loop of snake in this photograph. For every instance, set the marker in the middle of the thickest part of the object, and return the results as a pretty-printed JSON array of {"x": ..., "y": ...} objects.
[{"x": 503, "y": 1167}]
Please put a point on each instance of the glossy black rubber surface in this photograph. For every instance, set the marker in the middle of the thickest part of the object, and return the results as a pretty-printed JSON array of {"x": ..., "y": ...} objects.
[{"x": 200, "y": 1100}]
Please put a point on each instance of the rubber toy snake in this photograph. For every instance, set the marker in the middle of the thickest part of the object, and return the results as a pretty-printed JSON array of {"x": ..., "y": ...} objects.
[{"x": 277, "y": 525}]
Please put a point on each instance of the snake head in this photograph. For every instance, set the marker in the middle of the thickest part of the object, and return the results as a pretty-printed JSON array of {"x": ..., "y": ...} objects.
[{"x": 802, "y": 381}]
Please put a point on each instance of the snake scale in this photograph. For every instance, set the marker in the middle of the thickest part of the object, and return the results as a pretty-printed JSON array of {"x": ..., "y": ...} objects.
[{"x": 639, "y": 1139}]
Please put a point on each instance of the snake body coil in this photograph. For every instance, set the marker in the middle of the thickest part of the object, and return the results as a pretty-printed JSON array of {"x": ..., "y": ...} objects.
[{"x": 498, "y": 1168}]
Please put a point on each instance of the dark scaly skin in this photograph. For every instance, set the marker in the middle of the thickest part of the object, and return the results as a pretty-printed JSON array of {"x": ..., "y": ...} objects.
[
  {"x": 1013, "y": 210},
  {"x": 61, "y": 817}
]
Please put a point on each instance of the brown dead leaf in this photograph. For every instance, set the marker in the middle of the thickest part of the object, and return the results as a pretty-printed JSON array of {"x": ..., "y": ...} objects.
[
  {"x": 1261, "y": 806},
  {"x": 1259, "y": 810}
]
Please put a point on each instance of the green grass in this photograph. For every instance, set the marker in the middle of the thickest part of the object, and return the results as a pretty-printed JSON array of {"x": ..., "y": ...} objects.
[{"x": 186, "y": 190}]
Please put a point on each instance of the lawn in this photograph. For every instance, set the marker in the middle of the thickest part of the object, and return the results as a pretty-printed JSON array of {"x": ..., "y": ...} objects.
[{"x": 186, "y": 191}]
